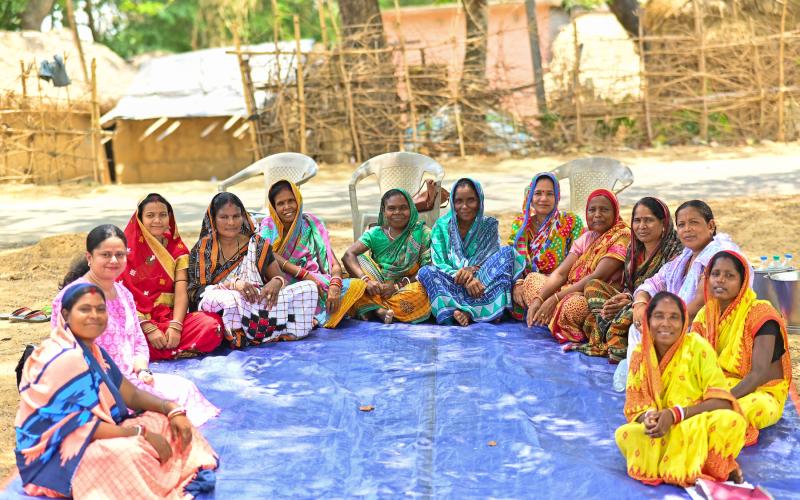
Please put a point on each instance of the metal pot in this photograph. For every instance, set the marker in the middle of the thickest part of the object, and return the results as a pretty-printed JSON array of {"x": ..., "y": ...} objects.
[{"x": 782, "y": 289}]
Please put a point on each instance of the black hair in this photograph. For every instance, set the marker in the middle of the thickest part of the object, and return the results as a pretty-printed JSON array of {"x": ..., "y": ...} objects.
[
  {"x": 225, "y": 198},
  {"x": 653, "y": 205},
  {"x": 75, "y": 292},
  {"x": 96, "y": 236},
  {"x": 723, "y": 254},
  {"x": 544, "y": 178},
  {"x": 388, "y": 194},
  {"x": 661, "y": 296},
  {"x": 277, "y": 188},
  {"x": 465, "y": 183},
  {"x": 701, "y": 207},
  {"x": 152, "y": 198}
]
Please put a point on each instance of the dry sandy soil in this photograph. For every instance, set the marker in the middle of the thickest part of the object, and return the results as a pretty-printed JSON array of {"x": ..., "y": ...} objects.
[{"x": 29, "y": 276}]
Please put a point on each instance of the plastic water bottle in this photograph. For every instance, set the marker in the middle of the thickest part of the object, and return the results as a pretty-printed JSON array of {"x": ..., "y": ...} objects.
[
  {"x": 763, "y": 266},
  {"x": 776, "y": 263},
  {"x": 787, "y": 260}
]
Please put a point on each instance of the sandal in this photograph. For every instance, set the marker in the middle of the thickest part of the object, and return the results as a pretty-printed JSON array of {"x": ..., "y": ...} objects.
[
  {"x": 36, "y": 316},
  {"x": 22, "y": 311}
]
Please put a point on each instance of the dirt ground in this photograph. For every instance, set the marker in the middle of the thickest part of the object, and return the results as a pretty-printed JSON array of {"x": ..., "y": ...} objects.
[{"x": 29, "y": 276}]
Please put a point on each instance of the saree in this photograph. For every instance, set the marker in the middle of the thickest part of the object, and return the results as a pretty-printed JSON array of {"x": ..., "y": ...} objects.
[
  {"x": 732, "y": 333},
  {"x": 246, "y": 323},
  {"x": 544, "y": 247},
  {"x": 124, "y": 342},
  {"x": 609, "y": 337},
  {"x": 150, "y": 276},
  {"x": 392, "y": 260},
  {"x": 66, "y": 390},
  {"x": 498, "y": 268},
  {"x": 572, "y": 310},
  {"x": 703, "y": 446},
  {"x": 308, "y": 246}
]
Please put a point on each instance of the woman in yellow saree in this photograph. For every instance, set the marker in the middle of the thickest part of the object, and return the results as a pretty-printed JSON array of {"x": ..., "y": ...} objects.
[
  {"x": 749, "y": 336},
  {"x": 683, "y": 423}
]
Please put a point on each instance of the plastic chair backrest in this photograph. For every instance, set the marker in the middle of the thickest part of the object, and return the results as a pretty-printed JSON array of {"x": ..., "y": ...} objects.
[
  {"x": 587, "y": 174},
  {"x": 401, "y": 170},
  {"x": 295, "y": 167}
]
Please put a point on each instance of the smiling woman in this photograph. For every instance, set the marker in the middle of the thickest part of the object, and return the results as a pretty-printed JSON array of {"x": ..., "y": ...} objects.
[
  {"x": 471, "y": 276},
  {"x": 557, "y": 300},
  {"x": 387, "y": 258}
]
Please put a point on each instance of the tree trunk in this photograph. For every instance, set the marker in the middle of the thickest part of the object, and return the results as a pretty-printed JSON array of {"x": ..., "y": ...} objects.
[
  {"x": 627, "y": 13},
  {"x": 34, "y": 13},
  {"x": 88, "y": 8},
  {"x": 360, "y": 16},
  {"x": 473, "y": 84}
]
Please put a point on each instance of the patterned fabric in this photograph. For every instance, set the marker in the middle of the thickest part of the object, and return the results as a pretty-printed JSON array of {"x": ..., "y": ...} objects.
[
  {"x": 410, "y": 304},
  {"x": 546, "y": 246},
  {"x": 498, "y": 274},
  {"x": 67, "y": 388},
  {"x": 308, "y": 246},
  {"x": 135, "y": 468},
  {"x": 150, "y": 277},
  {"x": 250, "y": 323},
  {"x": 449, "y": 251},
  {"x": 396, "y": 258},
  {"x": 705, "y": 445},
  {"x": 732, "y": 332},
  {"x": 572, "y": 310},
  {"x": 610, "y": 336},
  {"x": 124, "y": 341}
]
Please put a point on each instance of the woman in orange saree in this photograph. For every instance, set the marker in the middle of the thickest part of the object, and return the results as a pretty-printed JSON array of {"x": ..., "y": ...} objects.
[
  {"x": 156, "y": 274},
  {"x": 682, "y": 423},
  {"x": 749, "y": 336}
]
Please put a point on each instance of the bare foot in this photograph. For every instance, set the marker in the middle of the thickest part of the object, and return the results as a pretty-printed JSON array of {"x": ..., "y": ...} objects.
[
  {"x": 461, "y": 317},
  {"x": 314, "y": 323},
  {"x": 385, "y": 315},
  {"x": 736, "y": 476}
]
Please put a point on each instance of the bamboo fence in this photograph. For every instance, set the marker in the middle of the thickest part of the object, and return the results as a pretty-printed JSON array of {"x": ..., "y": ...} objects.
[
  {"x": 45, "y": 139},
  {"x": 704, "y": 76}
]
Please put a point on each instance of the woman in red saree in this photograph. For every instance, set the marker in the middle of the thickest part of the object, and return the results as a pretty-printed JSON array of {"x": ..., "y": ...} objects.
[{"x": 156, "y": 274}]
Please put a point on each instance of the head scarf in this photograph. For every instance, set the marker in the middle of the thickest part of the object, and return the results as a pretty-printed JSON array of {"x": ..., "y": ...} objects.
[
  {"x": 150, "y": 269},
  {"x": 545, "y": 246},
  {"x": 66, "y": 389},
  {"x": 409, "y": 250},
  {"x": 449, "y": 251},
  {"x": 668, "y": 248},
  {"x": 612, "y": 243}
]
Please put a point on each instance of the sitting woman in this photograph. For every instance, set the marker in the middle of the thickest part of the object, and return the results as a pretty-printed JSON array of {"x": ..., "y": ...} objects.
[
  {"x": 558, "y": 299},
  {"x": 75, "y": 435},
  {"x": 106, "y": 255},
  {"x": 156, "y": 275},
  {"x": 749, "y": 336},
  {"x": 654, "y": 243},
  {"x": 398, "y": 247},
  {"x": 683, "y": 422},
  {"x": 683, "y": 275},
  {"x": 542, "y": 234},
  {"x": 233, "y": 273},
  {"x": 304, "y": 252},
  {"x": 471, "y": 276}
]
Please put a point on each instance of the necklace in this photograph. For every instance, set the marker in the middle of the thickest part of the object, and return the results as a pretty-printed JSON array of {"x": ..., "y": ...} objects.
[
  {"x": 111, "y": 293},
  {"x": 388, "y": 232},
  {"x": 222, "y": 253}
]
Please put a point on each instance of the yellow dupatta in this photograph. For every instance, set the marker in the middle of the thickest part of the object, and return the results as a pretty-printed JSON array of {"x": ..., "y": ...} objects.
[{"x": 686, "y": 375}]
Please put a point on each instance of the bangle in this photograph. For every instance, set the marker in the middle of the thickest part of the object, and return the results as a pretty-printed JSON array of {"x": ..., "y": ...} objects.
[
  {"x": 635, "y": 302},
  {"x": 537, "y": 296},
  {"x": 365, "y": 278},
  {"x": 180, "y": 410},
  {"x": 282, "y": 280},
  {"x": 677, "y": 414},
  {"x": 140, "y": 431}
]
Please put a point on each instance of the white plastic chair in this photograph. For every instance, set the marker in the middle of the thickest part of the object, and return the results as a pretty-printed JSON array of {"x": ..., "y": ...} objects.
[
  {"x": 587, "y": 174},
  {"x": 294, "y": 167},
  {"x": 394, "y": 170}
]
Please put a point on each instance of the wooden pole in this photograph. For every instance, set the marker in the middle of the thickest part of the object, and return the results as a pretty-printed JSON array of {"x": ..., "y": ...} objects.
[
  {"x": 29, "y": 167},
  {"x": 536, "y": 56},
  {"x": 648, "y": 124},
  {"x": 351, "y": 112},
  {"x": 74, "y": 27},
  {"x": 249, "y": 99},
  {"x": 301, "y": 96},
  {"x": 459, "y": 125},
  {"x": 758, "y": 69},
  {"x": 24, "y": 78},
  {"x": 323, "y": 26},
  {"x": 97, "y": 163},
  {"x": 576, "y": 82},
  {"x": 701, "y": 67},
  {"x": 406, "y": 74},
  {"x": 276, "y": 38},
  {"x": 782, "y": 76}
]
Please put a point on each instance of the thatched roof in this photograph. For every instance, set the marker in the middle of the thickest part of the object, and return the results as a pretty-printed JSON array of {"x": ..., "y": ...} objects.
[{"x": 113, "y": 73}]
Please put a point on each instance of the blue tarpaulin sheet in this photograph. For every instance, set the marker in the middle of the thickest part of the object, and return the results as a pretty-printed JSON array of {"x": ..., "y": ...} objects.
[{"x": 291, "y": 425}]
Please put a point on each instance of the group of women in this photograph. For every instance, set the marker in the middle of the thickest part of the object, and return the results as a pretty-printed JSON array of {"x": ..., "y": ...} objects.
[{"x": 628, "y": 292}]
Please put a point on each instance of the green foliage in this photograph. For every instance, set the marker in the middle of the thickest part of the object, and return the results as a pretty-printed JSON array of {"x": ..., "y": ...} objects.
[{"x": 10, "y": 14}]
